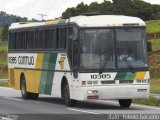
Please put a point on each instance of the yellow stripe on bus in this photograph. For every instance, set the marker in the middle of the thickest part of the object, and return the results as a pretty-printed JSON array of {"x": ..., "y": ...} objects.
[
  {"x": 39, "y": 60},
  {"x": 30, "y": 80},
  {"x": 37, "y": 74},
  {"x": 140, "y": 75},
  {"x": 33, "y": 76},
  {"x": 16, "y": 77}
]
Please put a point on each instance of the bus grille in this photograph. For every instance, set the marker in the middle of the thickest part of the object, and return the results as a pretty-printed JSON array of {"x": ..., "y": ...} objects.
[
  {"x": 107, "y": 82},
  {"x": 125, "y": 81}
]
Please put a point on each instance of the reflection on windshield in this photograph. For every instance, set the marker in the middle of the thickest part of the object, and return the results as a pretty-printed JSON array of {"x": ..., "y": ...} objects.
[
  {"x": 96, "y": 46},
  {"x": 131, "y": 45}
]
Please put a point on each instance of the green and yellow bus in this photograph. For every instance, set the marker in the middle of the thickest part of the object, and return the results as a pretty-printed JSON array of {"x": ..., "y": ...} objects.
[{"x": 87, "y": 57}]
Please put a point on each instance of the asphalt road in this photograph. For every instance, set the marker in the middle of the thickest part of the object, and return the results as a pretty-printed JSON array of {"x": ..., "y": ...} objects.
[{"x": 46, "y": 108}]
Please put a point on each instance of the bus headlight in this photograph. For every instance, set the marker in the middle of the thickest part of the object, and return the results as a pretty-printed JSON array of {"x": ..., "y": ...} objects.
[{"x": 92, "y": 92}]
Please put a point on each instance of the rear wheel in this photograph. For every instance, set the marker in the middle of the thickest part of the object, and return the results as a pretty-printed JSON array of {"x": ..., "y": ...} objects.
[
  {"x": 25, "y": 94},
  {"x": 125, "y": 103},
  {"x": 68, "y": 102}
]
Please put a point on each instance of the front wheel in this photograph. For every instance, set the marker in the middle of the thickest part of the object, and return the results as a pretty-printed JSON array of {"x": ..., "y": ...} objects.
[
  {"x": 25, "y": 94},
  {"x": 125, "y": 103},
  {"x": 68, "y": 102}
]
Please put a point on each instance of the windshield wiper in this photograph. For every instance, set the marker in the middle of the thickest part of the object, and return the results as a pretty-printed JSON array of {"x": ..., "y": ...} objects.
[
  {"x": 106, "y": 60},
  {"x": 128, "y": 63}
]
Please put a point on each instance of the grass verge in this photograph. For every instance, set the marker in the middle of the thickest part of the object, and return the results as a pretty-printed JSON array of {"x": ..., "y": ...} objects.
[
  {"x": 3, "y": 55},
  {"x": 155, "y": 45},
  {"x": 155, "y": 85},
  {"x": 4, "y": 74},
  {"x": 4, "y": 84},
  {"x": 3, "y": 62},
  {"x": 151, "y": 101},
  {"x": 153, "y": 26}
]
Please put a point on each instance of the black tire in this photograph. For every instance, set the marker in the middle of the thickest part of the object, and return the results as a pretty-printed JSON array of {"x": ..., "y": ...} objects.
[
  {"x": 125, "y": 103},
  {"x": 34, "y": 96},
  {"x": 67, "y": 101},
  {"x": 25, "y": 94}
]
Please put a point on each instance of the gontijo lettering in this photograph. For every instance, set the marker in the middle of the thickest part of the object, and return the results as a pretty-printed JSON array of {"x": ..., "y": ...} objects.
[{"x": 22, "y": 60}]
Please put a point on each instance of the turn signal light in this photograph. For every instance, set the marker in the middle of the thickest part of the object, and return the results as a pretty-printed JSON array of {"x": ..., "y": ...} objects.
[{"x": 83, "y": 82}]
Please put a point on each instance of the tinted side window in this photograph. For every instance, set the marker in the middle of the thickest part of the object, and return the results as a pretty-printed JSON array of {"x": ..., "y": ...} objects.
[
  {"x": 57, "y": 38},
  {"x": 50, "y": 38},
  {"x": 18, "y": 41},
  {"x": 39, "y": 39},
  {"x": 30, "y": 40},
  {"x": 23, "y": 40},
  {"x": 12, "y": 41},
  {"x": 62, "y": 38}
]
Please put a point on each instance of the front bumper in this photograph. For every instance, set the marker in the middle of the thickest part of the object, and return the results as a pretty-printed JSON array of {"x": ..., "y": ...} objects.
[{"x": 115, "y": 92}]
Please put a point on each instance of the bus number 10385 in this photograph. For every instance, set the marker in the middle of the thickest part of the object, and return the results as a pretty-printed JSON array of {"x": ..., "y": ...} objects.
[{"x": 101, "y": 76}]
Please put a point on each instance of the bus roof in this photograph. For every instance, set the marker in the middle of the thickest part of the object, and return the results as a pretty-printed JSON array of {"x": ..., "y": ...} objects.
[
  {"x": 87, "y": 21},
  {"x": 107, "y": 21}
]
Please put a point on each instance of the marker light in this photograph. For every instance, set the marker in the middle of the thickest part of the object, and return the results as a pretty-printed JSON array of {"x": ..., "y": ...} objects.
[{"x": 83, "y": 82}]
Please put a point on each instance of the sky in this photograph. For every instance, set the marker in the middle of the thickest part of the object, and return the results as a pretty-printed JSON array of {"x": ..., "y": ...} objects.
[{"x": 51, "y": 8}]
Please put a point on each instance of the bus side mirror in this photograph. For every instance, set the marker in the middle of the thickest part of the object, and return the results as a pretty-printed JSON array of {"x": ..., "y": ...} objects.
[{"x": 149, "y": 46}]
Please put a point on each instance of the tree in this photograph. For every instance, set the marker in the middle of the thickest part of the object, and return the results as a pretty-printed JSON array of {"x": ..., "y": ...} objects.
[
  {"x": 69, "y": 13},
  {"x": 81, "y": 8},
  {"x": 4, "y": 34},
  {"x": 137, "y": 8},
  {"x": 7, "y": 20}
]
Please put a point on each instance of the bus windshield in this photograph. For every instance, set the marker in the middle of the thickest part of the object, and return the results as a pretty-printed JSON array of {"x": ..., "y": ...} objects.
[
  {"x": 104, "y": 48},
  {"x": 97, "y": 46}
]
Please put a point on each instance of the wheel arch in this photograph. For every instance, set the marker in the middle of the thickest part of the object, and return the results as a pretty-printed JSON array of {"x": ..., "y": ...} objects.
[
  {"x": 63, "y": 82},
  {"x": 22, "y": 75}
]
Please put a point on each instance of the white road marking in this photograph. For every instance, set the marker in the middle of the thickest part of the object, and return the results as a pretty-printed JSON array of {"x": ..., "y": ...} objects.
[
  {"x": 84, "y": 111},
  {"x": 13, "y": 98}
]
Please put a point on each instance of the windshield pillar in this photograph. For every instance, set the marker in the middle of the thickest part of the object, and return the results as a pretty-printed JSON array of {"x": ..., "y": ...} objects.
[{"x": 73, "y": 47}]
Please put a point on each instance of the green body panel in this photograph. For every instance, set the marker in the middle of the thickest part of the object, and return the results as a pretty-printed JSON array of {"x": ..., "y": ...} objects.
[
  {"x": 47, "y": 73},
  {"x": 125, "y": 76}
]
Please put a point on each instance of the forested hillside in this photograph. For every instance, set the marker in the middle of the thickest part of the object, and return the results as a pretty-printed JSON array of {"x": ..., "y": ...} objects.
[
  {"x": 6, "y": 19},
  {"x": 5, "y": 22},
  {"x": 137, "y": 8}
]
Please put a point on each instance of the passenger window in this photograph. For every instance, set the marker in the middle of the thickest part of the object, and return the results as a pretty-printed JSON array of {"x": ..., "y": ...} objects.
[
  {"x": 12, "y": 40},
  {"x": 30, "y": 40},
  {"x": 50, "y": 38},
  {"x": 62, "y": 38},
  {"x": 39, "y": 39}
]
